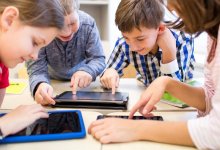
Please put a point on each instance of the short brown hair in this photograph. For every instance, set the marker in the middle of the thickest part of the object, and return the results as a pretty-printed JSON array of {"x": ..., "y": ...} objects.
[
  {"x": 70, "y": 6},
  {"x": 197, "y": 15},
  {"x": 135, "y": 13},
  {"x": 38, "y": 13}
]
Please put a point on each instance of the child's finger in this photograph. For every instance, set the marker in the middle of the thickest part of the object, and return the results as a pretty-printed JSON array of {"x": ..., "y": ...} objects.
[
  {"x": 50, "y": 92},
  {"x": 109, "y": 82},
  {"x": 141, "y": 102},
  {"x": 113, "y": 85},
  {"x": 38, "y": 98},
  {"x": 135, "y": 109},
  {"x": 86, "y": 83},
  {"x": 149, "y": 107},
  {"x": 94, "y": 124},
  {"x": 117, "y": 82},
  {"x": 75, "y": 85},
  {"x": 81, "y": 82},
  {"x": 46, "y": 97}
]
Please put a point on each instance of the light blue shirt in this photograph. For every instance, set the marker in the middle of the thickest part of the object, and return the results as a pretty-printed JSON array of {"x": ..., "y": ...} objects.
[{"x": 60, "y": 60}]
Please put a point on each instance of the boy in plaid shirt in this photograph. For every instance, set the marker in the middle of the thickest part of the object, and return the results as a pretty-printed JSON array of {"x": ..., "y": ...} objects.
[{"x": 147, "y": 44}]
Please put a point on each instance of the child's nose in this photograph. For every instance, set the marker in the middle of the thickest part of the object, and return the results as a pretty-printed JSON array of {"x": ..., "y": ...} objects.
[
  {"x": 34, "y": 55},
  {"x": 75, "y": 28},
  {"x": 134, "y": 47}
]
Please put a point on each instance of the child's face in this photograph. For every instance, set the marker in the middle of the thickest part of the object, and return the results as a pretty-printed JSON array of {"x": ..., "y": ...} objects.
[
  {"x": 141, "y": 41},
  {"x": 70, "y": 28},
  {"x": 20, "y": 43}
]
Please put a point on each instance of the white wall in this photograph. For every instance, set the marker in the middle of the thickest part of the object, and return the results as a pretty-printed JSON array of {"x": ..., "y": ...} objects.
[{"x": 114, "y": 33}]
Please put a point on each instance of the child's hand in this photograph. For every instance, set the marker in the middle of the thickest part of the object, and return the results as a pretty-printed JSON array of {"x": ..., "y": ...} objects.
[
  {"x": 112, "y": 130},
  {"x": 80, "y": 79},
  {"x": 44, "y": 94},
  {"x": 21, "y": 117},
  {"x": 167, "y": 43},
  {"x": 150, "y": 97},
  {"x": 110, "y": 79}
]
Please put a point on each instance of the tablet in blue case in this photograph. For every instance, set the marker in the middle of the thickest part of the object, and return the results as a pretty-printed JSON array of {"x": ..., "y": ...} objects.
[{"x": 61, "y": 125}]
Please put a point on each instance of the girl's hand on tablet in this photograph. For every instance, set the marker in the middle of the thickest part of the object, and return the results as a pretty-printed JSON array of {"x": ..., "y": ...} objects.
[
  {"x": 150, "y": 97},
  {"x": 21, "y": 117},
  {"x": 113, "y": 130}
]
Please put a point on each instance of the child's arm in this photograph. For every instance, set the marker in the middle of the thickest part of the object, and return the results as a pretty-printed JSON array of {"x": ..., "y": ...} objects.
[
  {"x": 193, "y": 96},
  {"x": 38, "y": 71},
  {"x": 118, "y": 59},
  {"x": 116, "y": 63},
  {"x": 181, "y": 45},
  {"x": 94, "y": 55},
  {"x": 113, "y": 130},
  {"x": 2, "y": 95},
  {"x": 20, "y": 118},
  {"x": 167, "y": 43}
]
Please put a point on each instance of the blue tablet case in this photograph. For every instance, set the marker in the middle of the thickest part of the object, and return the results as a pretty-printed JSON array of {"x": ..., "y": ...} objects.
[{"x": 49, "y": 137}]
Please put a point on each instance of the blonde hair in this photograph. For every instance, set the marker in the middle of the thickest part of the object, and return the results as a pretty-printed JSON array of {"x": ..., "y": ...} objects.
[
  {"x": 69, "y": 6},
  {"x": 38, "y": 13}
]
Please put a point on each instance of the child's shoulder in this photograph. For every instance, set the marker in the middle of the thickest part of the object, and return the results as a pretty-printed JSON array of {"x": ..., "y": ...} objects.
[
  {"x": 86, "y": 19},
  {"x": 180, "y": 35},
  {"x": 120, "y": 41}
]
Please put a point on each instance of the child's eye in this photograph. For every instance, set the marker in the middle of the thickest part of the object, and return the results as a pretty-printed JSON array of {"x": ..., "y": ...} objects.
[
  {"x": 140, "y": 39},
  {"x": 35, "y": 44},
  {"x": 71, "y": 24}
]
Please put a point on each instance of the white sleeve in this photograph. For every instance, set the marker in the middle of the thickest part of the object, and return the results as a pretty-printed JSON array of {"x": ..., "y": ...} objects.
[
  {"x": 205, "y": 131},
  {"x": 170, "y": 67}
]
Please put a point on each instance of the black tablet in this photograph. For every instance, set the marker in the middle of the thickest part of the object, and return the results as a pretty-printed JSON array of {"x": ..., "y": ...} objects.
[
  {"x": 61, "y": 125},
  {"x": 88, "y": 99},
  {"x": 159, "y": 118}
]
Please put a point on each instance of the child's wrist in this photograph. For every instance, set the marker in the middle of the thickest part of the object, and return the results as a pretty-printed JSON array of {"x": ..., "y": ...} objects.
[
  {"x": 4, "y": 129},
  {"x": 170, "y": 67},
  {"x": 139, "y": 130},
  {"x": 169, "y": 84}
]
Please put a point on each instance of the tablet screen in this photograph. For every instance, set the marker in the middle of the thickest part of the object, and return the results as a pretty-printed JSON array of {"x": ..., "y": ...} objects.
[
  {"x": 85, "y": 95},
  {"x": 56, "y": 123},
  {"x": 159, "y": 118}
]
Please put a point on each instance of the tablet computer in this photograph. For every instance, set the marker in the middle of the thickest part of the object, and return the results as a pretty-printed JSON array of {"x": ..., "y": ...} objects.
[
  {"x": 61, "y": 125},
  {"x": 88, "y": 99},
  {"x": 158, "y": 118}
]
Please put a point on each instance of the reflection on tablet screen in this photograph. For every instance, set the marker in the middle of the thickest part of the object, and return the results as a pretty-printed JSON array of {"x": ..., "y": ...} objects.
[
  {"x": 86, "y": 95},
  {"x": 56, "y": 123}
]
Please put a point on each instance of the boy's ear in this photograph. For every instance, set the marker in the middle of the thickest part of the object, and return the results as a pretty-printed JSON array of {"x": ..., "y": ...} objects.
[
  {"x": 8, "y": 16},
  {"x": 162, "y": 28}
]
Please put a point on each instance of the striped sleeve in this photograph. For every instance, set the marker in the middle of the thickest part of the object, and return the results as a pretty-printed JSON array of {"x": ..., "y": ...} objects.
[
  {"x": 182, "y": 68},
  {"x": 118, "y": 59}
]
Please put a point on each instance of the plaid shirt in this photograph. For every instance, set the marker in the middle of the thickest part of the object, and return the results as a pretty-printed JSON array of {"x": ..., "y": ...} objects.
[{"x": 148, "y": 66}]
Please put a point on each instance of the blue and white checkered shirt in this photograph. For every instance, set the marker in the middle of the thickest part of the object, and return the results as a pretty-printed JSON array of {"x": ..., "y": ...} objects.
[{"x": 149, "y": 66}]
